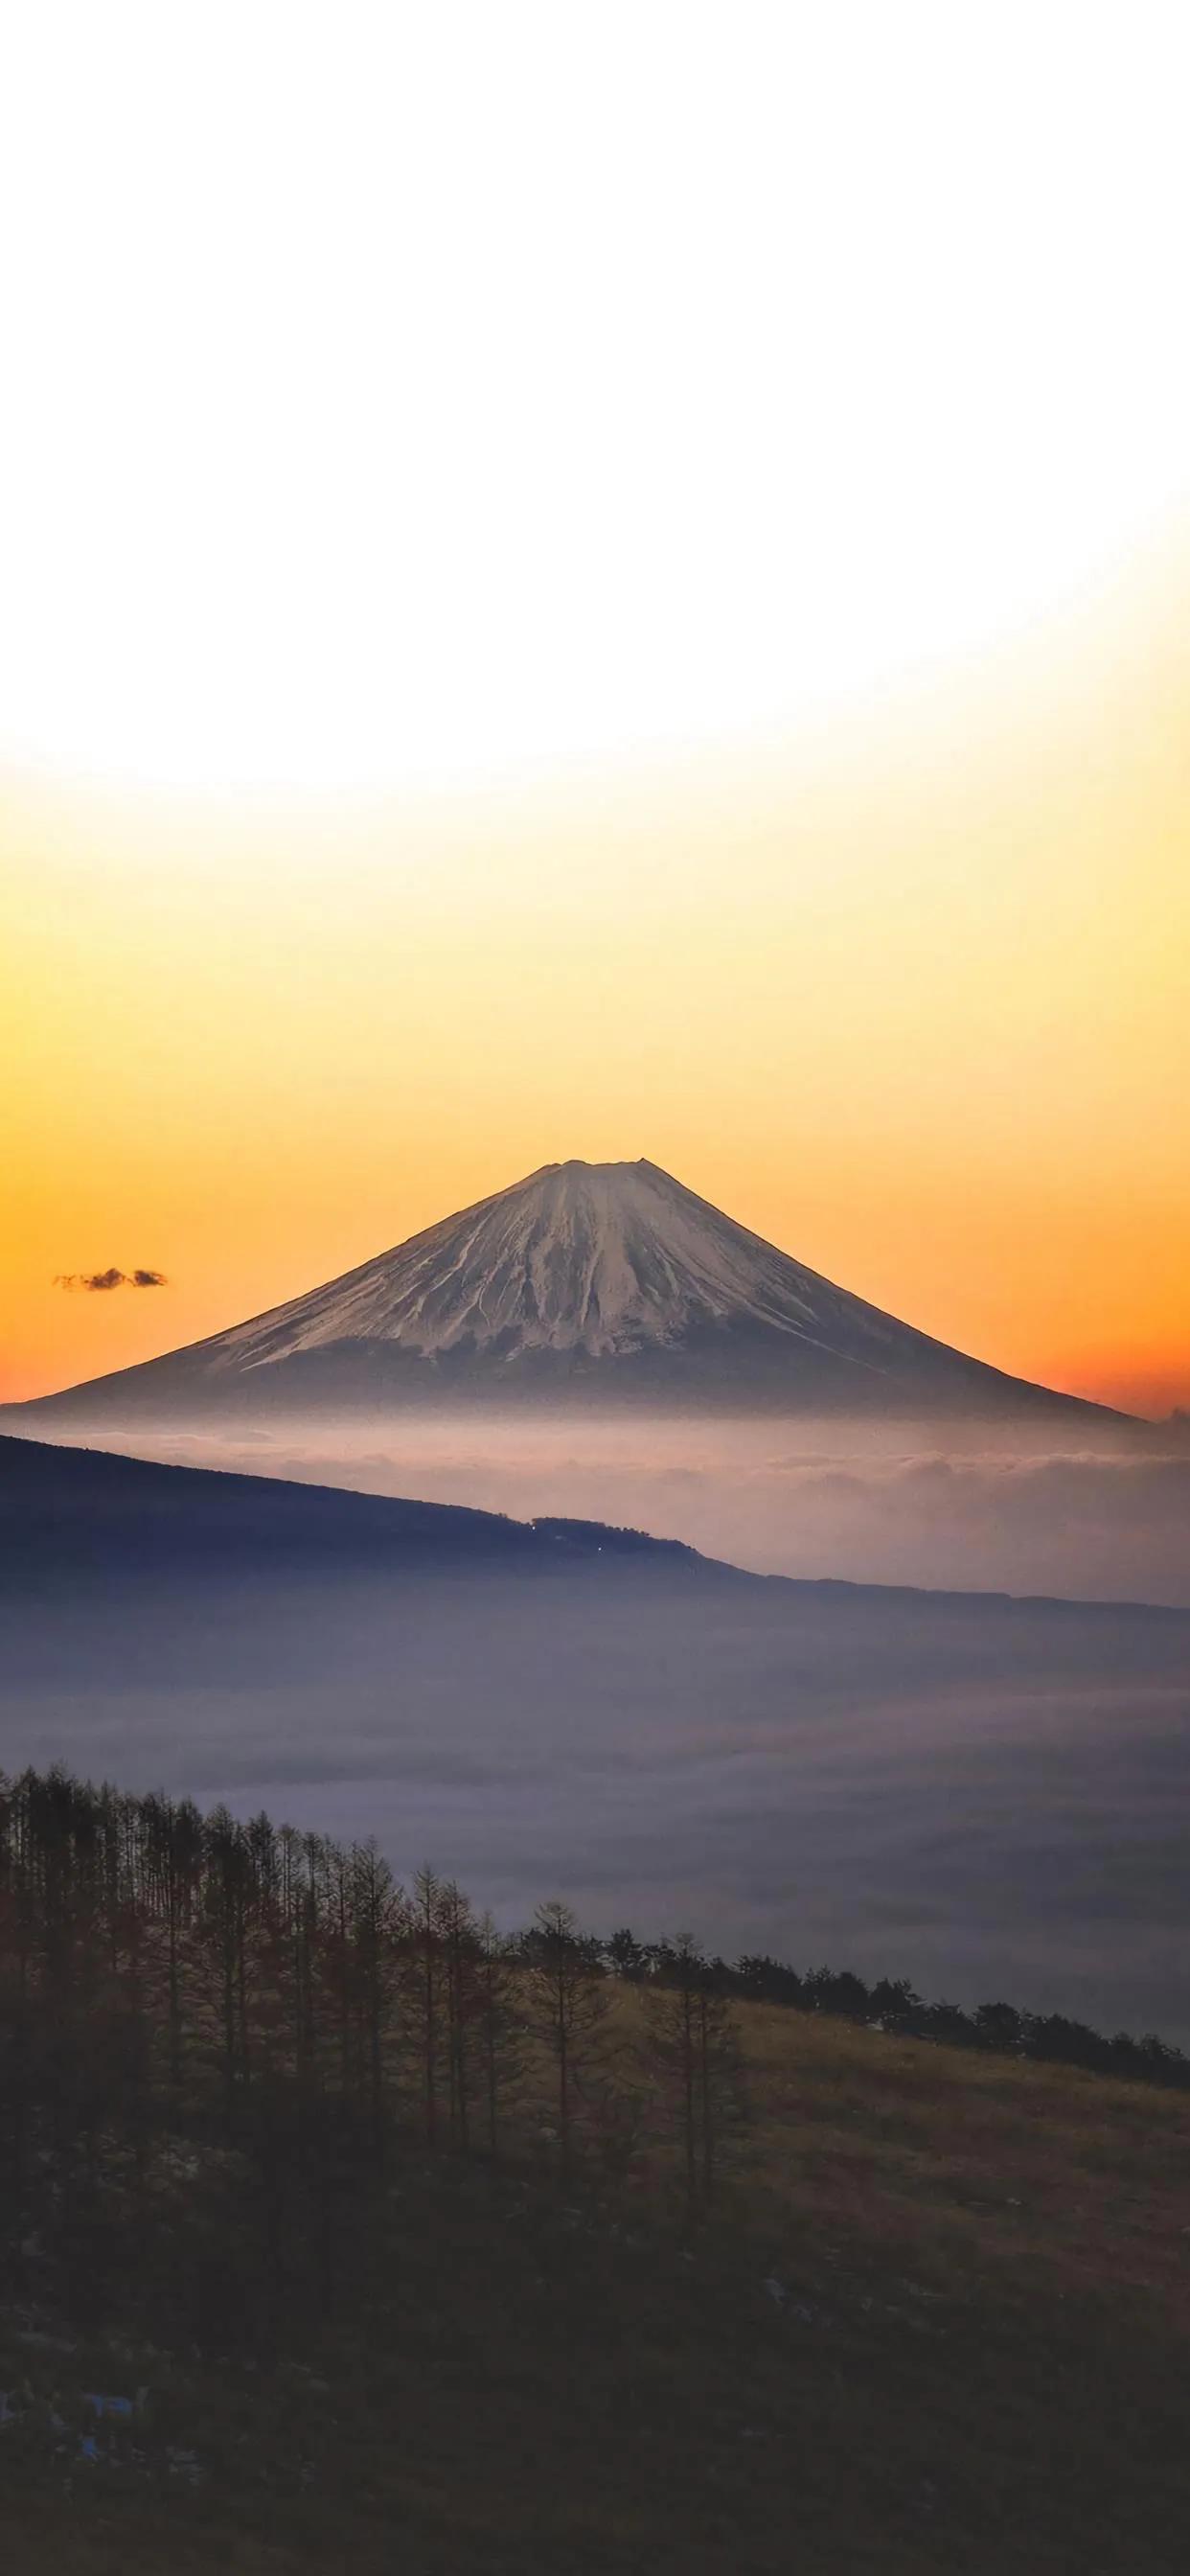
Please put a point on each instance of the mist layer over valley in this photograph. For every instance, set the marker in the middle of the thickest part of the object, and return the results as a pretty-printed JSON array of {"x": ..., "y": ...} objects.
[
  {"x": 951, "y": 1507},
  {"x": 988, "y": 1796}
]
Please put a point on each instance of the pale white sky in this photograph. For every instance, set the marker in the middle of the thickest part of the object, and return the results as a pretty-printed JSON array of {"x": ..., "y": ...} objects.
[{"x": 397, "y": 395}]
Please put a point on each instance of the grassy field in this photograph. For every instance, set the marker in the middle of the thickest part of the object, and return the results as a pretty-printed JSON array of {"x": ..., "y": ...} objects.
[{"x": 935, "y": 2319}]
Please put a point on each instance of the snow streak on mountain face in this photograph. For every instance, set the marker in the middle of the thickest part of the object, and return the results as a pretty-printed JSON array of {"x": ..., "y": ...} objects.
[
  {"x": 598, "y": 1259},
  {"x": 585, "y": 1282}
]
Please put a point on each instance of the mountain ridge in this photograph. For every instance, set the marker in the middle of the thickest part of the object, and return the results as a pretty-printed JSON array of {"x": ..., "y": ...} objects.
[
  {"x": 582, "y": 1282},
  {"x": 93, "y": 1511},
  {"x": 53, "y": 1495}
]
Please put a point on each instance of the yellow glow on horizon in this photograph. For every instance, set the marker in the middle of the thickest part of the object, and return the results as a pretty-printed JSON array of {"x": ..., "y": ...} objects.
[
  {"x": 597, "y": 582},
  {"x": 908, "y": 998}
]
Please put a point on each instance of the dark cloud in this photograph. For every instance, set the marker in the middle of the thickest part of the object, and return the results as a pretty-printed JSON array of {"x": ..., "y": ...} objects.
[{"x": 113, "y": 1278}]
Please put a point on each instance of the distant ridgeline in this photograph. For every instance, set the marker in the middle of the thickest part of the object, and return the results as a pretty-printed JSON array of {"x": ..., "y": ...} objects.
[
  {"x": 891, "y": 2005},
  {"x": 251, "y": 1948}
]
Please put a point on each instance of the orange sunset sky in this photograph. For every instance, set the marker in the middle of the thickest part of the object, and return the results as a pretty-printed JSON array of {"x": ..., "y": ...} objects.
[
  {"x": 610, "y": 588},
  {"x": 909, "y": 998}
]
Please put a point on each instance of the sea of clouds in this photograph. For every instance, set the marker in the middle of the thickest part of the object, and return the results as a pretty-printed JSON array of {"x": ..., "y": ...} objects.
[{"x": 812, "y": 1500}]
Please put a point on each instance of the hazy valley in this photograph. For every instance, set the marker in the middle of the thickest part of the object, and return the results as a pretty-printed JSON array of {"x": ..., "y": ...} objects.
[{"x": 987, "y": 1795}]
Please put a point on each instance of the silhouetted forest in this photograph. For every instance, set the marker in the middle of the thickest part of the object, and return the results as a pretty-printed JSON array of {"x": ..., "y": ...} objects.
[
  {"x": 297, "y": 2164},
  {"x": 173, "y": 1983},
  {"x": 185, "y": 1995}
]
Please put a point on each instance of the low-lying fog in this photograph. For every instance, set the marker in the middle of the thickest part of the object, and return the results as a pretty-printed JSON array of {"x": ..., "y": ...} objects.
[
  {"x": 959, "y": 1509},
  {"x": 991, "y": 1799}
]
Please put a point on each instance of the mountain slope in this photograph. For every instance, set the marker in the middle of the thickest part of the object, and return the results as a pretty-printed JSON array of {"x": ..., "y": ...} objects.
[
  {"x": 67, "y": 1514},
  {"x": 583, "y": 1283}
]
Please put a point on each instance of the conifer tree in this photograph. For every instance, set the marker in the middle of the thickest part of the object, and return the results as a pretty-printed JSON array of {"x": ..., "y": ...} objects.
[
  {"x": 425, "y": 2011},
  {"x": 694, "y": 2052},
  {"x": 568, "y": 2003},
  {"x": 378, "y": 1919},
  {"x": 500, "y": 2028}
]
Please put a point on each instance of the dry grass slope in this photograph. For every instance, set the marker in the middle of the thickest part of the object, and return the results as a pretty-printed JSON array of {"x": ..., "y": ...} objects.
[{"x": 935, "y": 2320}]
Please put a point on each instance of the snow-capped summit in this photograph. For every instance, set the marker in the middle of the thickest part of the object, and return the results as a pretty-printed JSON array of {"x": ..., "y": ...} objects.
[
  {"x": 589, "y": 1261},
  {"x": 584, "y": 1283}
]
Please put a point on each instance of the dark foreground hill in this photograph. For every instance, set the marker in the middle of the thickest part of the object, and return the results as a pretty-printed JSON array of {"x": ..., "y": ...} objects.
[
  {"x": 66, "y": 1514},
  {"x": 305, "y": 2263},
  {"x": 989, "y": 1794},
  {"x": 971, "y": 2356}
]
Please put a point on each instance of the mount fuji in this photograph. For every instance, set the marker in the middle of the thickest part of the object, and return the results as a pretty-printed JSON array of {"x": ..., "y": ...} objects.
[{"x": 584, "y": 1284}]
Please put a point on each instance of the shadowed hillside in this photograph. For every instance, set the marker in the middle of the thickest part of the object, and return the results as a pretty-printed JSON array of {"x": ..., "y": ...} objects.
[
  {"x": 65, "y": 1513},
  {"x": 319, "y": 2249}
]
